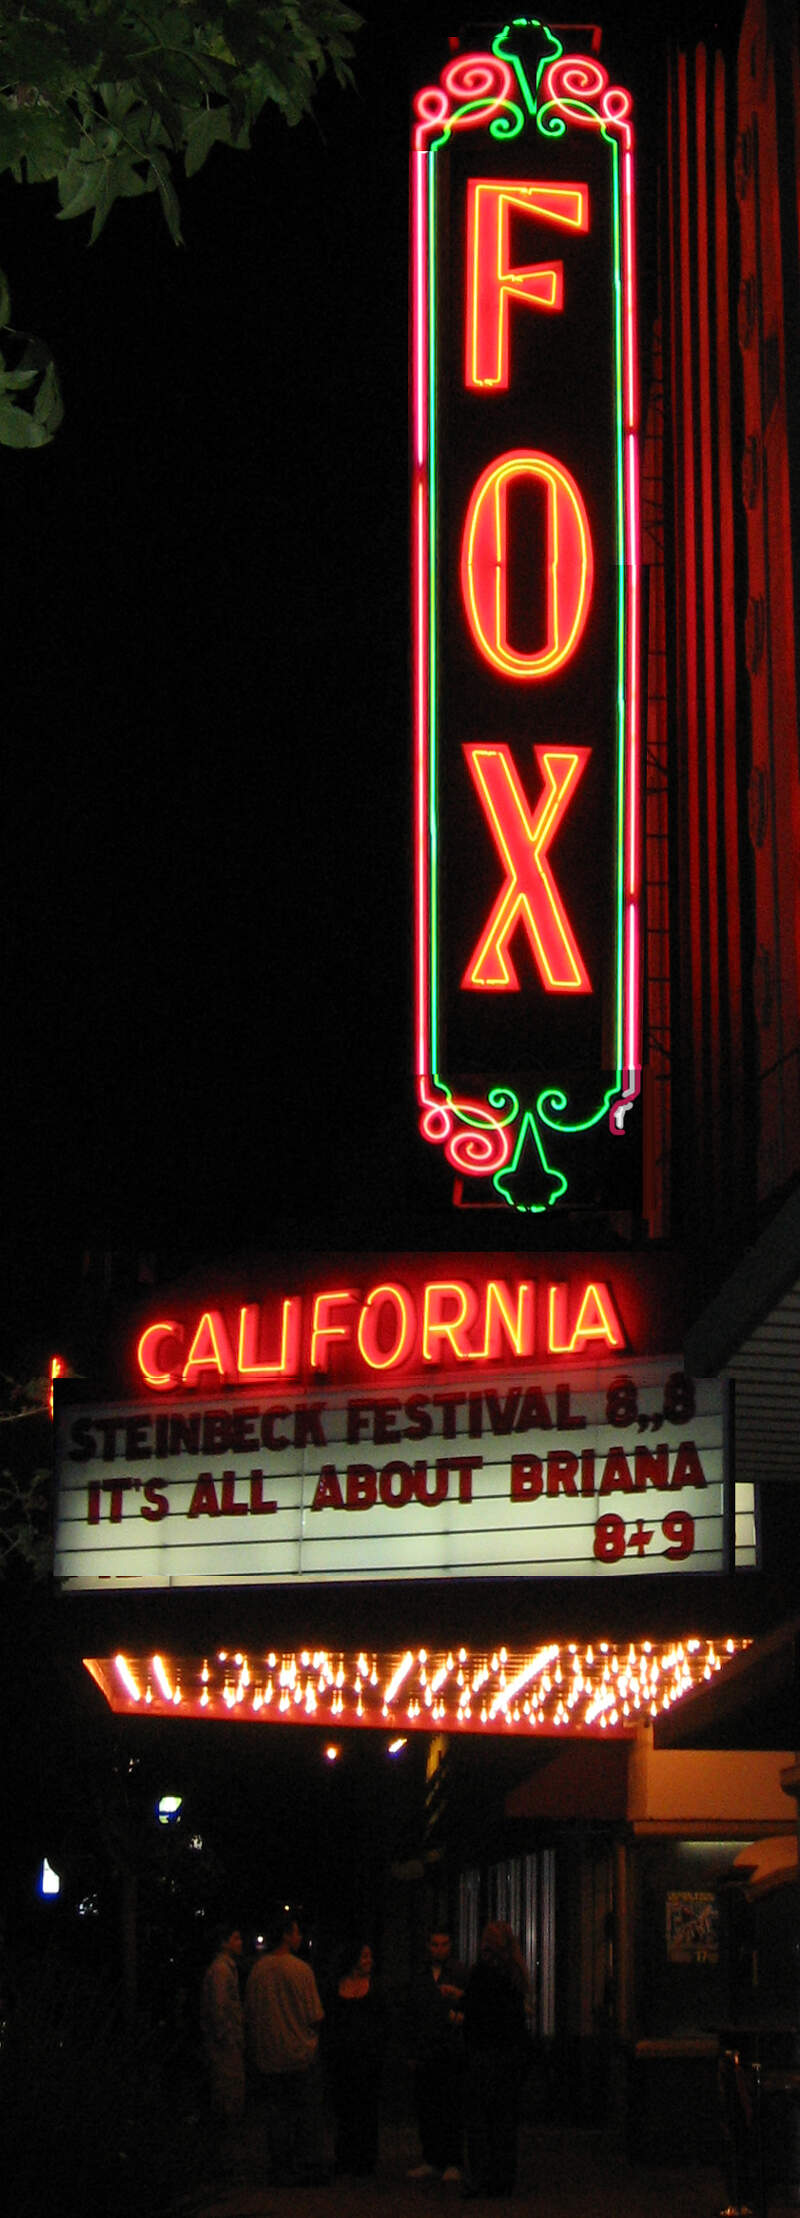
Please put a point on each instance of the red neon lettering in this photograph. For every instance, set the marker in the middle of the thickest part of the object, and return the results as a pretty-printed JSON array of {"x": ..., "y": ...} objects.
[
  {"x": 439, "y": 1327},
  {"x": 484, "y": 564},
  {"x": 596, "y": 1319},
  {"x": 322, "y": 1332},
  {"x": 210, "y": 1350},
  {"x": 529, "y": 895},
  {"x": 247, "y": 1364},
  {"x": 378, "y": 1357},
  {"x": 492, "y": 280},
  {"x": 148, "y": 1353},
  {"x": 502, "y": 1321}
]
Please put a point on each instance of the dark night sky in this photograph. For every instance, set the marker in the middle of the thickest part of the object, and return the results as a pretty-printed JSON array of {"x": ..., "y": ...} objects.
[{"x": 205, "y": 699}]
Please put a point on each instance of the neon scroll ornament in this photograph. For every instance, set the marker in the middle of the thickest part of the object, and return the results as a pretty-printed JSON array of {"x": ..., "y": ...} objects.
[{"x": 525, "y": 601}]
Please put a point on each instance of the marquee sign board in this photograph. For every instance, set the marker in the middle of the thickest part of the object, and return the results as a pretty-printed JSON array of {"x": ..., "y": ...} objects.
[
  {"x": 526, "y": 623},
  {"x": 405, "y": 1422},
  {"x": 622, "y": 1472}
]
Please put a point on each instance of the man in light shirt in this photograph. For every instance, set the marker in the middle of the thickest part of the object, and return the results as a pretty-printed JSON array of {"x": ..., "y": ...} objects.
[{"x": 283, "y": 2015}]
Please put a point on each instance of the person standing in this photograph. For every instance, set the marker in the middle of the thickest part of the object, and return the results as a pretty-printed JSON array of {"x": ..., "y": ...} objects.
[
  {"x": 222, "y": 2029},
  {"x": 496, "y": 2041},
  {"x": 355, "y": 2043},
  {"x": 283, "y": 2015},
  {"x": 436, "y": 2002}
]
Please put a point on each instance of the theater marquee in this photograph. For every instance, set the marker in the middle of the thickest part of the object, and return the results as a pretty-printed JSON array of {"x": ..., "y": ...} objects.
[
  {"x": 409, "y": 1423},
  {"x": 526, "y": 623}
]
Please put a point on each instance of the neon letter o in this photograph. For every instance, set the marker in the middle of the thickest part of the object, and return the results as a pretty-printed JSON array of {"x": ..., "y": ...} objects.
[
  {"x": 484, "y": 564},
  {"x": 378, "y": 1357}
]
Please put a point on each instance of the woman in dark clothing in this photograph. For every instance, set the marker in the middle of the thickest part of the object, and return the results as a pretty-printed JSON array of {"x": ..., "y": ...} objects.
[
  {"x": 355, "y": 2042},
  {"x": 495, "y": 2034}
]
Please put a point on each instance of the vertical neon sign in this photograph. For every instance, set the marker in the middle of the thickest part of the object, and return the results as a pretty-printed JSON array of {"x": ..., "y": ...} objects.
[{"x": 525, "y": 603}]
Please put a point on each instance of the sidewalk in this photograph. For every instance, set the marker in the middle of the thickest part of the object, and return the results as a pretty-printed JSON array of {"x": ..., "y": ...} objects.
[{"x": 563, "y": 2173}]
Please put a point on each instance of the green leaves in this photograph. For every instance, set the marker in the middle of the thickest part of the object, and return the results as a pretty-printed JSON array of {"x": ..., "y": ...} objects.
[
  {"x": 30, "y": 400},
  {"x": 102, "y": 97},
  {"x": 122, "y": 151},
  {"x": 204, "y": 128}
]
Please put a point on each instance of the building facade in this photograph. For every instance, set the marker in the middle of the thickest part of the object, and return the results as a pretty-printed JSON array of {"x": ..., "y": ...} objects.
[{"x": 392, "y": 1403}]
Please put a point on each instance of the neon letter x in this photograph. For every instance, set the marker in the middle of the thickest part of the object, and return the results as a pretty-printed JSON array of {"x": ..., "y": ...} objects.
[{"x": 529, "y": 896}]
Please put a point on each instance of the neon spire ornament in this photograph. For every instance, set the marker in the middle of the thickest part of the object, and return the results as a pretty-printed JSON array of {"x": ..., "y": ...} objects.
[{"x": 525, "y": 605}]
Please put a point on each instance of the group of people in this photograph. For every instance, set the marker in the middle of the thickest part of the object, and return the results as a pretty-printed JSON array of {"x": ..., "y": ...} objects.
[
  {"x": 277, "y": 2031},
  {"x": 471, "y": 2061},
  {"x": 468, "y": 2042}
]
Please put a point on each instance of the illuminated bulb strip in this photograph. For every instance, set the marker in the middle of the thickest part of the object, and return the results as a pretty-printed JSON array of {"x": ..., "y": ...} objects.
[
  {"x": 568, "y": 1690},
  {"x": 160, "y": 1675},
  {"x": 405, "y": 1665},
  {"x": 126, "y": 1675},
  {"x": 529, "y": 1671}
]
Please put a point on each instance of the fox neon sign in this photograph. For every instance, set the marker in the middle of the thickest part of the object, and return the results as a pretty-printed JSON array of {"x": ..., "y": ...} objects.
[{"x": 526, "y": 617}]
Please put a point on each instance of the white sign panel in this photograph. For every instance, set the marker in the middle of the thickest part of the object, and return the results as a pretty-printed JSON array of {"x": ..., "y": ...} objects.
[{"x": 610, "y": 1472}]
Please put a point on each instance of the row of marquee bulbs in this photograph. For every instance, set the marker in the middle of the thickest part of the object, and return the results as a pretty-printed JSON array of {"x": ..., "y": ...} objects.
[{"x": 597, "y": 1686}]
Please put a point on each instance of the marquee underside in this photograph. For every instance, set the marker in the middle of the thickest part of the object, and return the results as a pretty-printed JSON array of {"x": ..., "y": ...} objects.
[{"x": 562, "y": 1689}]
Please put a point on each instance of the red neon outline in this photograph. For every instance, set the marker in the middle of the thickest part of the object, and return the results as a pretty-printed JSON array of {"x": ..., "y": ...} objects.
[
  {"x": 571, "y": 84},
  {"x": 632, "y": 1045},
  {"x": 367, "y": 1325},
  {"x": 249, "y": 1316},
  {"x": 324, "y": 1332},
  {"x": 165, "y": 1329},
  {"x": 578, "y": 89},
  {"x": 529, "y": 896},
  {"x": 484, "y": 1147},
  {"x": 609, "y": 1329},
  {"x": 482, "y": 82},
  {"x": 213, "y": 1329},
  {"x": 437, "y": 1327},
  {"x": 493, "y": 281},
  {"x": 484, "y": 564}
]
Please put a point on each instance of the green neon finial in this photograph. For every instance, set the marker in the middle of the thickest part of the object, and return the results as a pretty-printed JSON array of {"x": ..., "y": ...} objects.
[{"x": 529, "y": 1169}]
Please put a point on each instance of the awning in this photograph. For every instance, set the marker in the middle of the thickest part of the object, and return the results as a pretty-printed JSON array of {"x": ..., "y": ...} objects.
[
  {"x": 764, "y": 1865},
  {"x": 755, "y": 1703}
]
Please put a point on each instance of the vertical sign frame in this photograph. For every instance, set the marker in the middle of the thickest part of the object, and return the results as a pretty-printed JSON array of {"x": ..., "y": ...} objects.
[{"x": 514, "y": 1134}]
